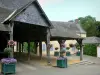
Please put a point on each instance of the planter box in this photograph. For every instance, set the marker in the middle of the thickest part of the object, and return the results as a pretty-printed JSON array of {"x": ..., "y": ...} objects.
[
  {"x": 78, "y": 54},
  {"x": 68, "y": 54},
  {"x": 8, "y": 68},
  {"x": 62, "y": 63},
  {"x": 56, "y": 53}
]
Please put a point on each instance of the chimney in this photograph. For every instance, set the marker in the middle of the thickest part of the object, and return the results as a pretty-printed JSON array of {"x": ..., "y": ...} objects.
[{"x": 76, "y": 21}]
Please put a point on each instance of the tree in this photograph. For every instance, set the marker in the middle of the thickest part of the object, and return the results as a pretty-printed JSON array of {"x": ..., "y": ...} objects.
[
  {"x": 97, "y": 28},
  {"x": 88, "y": 24}
]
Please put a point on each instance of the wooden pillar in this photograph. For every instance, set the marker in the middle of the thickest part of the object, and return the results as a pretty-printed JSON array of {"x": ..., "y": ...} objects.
[
  {"x": 81, "y": 48},
  {"x": 48, "y": 46},
  {"x": 19, "y": 49},
  {"x": 11, "y": 35},
  {"x": 81, "y": 52},
  {"x": 40, "y": 49},
  {"x": 29, "y": 51},
  {"x": 35, "y": 45},
  {"x": 22, "y": 46}
]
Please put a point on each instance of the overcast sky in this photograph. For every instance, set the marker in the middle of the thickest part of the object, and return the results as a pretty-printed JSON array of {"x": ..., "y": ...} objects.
[{"x": 65, "y": 10}]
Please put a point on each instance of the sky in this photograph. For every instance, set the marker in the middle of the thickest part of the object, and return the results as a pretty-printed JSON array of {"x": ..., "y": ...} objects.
[{"x": 65, "y": 10}]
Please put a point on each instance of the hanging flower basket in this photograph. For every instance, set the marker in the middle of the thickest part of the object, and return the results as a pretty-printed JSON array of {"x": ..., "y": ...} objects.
[
  {"x": 56, "y": 48},
  {"x": 11, "y": 43}
]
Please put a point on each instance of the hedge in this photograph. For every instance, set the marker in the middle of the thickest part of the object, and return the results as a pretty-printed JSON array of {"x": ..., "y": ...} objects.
[{"x": 90, "y": 49}]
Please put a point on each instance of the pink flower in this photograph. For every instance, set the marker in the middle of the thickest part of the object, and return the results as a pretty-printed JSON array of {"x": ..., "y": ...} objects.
[{"x": 11, "y": 42}]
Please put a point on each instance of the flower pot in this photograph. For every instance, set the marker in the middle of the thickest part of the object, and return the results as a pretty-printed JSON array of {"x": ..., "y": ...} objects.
[
  {"x": 56, "y": 53},
  {"x": 62, "y": 62},
  {"x": 8, "y": 65},
  {"x": 68, "y": 54},
  {"x": 8, "y": 68},
  {"x": 78, "y": 53}
]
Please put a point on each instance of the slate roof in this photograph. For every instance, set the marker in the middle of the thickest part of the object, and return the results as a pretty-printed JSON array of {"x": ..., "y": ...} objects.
[
  {"x": 91, "y": 40},
  {"x": 28, "y": 11},
  {"x": 3, "y": 14},
  {"x": 64, "y": 30},
  {"x": 70, "y": 26}
]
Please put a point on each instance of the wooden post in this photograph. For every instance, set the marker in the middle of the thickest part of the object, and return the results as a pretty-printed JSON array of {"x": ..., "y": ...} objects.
[
  {"x": 35, "y": 45},
  {"x": 11, "y": 35},
  {"x": 40, "y": 49},
  {"x": 29, "y": 51},
  {"x": 81, "y": 48},
  {"x": 48, "y": 46},
  {"x": 19, "y": 49},
  {"x": 22, "y": 47},
  {"x": 81, "y": 51}
]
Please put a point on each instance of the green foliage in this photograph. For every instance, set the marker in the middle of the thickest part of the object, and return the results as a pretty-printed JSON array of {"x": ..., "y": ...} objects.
[
  {"x": 31, "y": 47},
  {"x": 97, "y": 28},
  {"x": 67, "y": 48},
  {"x": 90, "y": 49},
  {"x": 88, "y": 24},
  {"x": 9, "y": 51}
]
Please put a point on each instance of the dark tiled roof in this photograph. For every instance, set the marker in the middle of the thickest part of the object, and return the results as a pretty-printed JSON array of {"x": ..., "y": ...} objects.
[
  {"x": 13, "y": 4},
  {"x": 91, "y": 40},
  {"x": 71, "y": 26},
  {"x": 27, "y": 11},
  {"x": 64, "y": 29},
  {"x": 4, "y": 27},
  {"x": 3, "y": 14}
]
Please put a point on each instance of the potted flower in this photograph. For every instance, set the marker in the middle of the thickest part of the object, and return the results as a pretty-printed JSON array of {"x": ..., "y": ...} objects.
[
  {"x": 62, "y": 61},
  {"x": 68, "y": 53},
  {"x": 8, "y": 64},
  {"x": 56, "y": 53}
]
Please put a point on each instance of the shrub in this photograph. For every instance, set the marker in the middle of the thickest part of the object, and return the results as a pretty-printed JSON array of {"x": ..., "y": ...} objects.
[{"x": 90, "y": 49}]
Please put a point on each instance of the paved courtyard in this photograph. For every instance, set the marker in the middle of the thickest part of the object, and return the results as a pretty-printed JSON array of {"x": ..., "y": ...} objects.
[{"x": 90, "y": 66}]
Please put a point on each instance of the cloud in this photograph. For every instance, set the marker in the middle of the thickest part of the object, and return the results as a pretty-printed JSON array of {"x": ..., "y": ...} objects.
[{"x": 43, "y": 2}]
